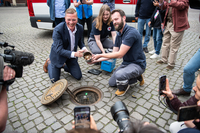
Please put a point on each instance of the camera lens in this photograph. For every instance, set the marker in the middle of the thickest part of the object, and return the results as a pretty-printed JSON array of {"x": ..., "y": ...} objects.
[{"x": 121, "y": 115}]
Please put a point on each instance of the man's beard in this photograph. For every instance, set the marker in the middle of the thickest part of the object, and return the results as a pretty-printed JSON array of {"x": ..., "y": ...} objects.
[{"x": 120, "y": 26}]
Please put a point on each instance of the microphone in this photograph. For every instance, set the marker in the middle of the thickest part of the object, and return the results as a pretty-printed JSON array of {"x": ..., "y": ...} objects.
[
  {"x": 17, "y": 57},
  {"x": 5, "y": 44}
]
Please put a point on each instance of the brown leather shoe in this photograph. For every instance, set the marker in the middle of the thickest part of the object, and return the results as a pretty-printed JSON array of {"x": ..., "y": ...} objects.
[
  {"x": 181, "y": 92},
  {"x": 45, "y": 66},
  {"x": 141, "y": 79},
  {"x": 160, "y": 62},
  {"x": 170, "y": 67}
]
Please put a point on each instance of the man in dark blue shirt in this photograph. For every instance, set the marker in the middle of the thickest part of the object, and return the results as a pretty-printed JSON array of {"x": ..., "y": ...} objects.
[{"x": 128, "y": 45}]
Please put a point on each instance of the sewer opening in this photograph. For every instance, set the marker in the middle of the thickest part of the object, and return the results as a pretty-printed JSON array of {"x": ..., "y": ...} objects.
[{"x": 87, "y": 95}]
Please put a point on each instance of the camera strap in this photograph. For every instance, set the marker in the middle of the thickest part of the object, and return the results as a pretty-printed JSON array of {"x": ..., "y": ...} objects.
[
  {"x": 167, "y": 104},
  {"x": 8, "y": 82},
  {"x": 170, "y": 106}
]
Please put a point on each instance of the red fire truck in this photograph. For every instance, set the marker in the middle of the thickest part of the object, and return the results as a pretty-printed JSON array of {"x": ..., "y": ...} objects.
[{"x": 40, "y": 18}]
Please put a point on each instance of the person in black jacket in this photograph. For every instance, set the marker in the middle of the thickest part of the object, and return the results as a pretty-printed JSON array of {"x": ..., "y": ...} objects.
[
  {"x": 155, "y": 22},
  {"x": 144, "y": 10}
]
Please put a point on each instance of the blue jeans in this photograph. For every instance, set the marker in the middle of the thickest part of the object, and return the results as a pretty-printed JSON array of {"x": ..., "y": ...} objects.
[
  {"x": 189, "y": 71},
  {"x": 71, "y": 66},
  {"x": 141, "y": 23},
  {"x": 157, "y": 38}
]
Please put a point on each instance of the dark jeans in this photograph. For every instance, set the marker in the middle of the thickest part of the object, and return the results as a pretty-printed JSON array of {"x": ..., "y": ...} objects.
[
  {"x": 58, "y": 20},
  {"x": 89, "y": 25},
  {"x": 71, "y": 66}
]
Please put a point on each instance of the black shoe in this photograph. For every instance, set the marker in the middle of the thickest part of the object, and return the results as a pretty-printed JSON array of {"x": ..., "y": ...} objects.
[
  {"x": 181, "y": 92},
  {"x": 109, "y": 50},
  {"x": 146, "y": 50}
]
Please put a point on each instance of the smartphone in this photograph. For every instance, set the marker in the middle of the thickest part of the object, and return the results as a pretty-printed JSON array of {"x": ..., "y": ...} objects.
[
  {"x": 188, "y": 113},
  {"x": 162, "y": 84},
  {"x": 82, "y": 116}
]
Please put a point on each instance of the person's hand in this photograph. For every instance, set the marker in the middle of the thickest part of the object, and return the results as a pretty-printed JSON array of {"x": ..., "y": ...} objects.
[
  {"x": 156, "y": 3},
  {"x": 96, "y": 57},
  {"x": 168, "y": 92},
  {"x": 92, "y": 123},
  {"x": 136, "y": 18},
  {"x": 79, "y": 53},
  {"x": 198, "y": 104},
  {"x": 85, "y": 50},
  {"x": 149, "y": 23},
  {"x": 8, "y": 73}
]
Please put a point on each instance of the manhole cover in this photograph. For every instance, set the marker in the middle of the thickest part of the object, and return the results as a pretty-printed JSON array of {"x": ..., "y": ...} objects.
[
  {"x": 54, "y": 92},
  {"x": 87, "y": 95}
]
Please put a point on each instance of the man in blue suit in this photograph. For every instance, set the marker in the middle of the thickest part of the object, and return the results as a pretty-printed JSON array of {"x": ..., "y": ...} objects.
[{"x": 66, "y": 37}]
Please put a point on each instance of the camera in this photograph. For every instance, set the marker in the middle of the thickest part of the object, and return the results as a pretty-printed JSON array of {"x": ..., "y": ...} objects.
[
  {"x": 120, "y": 114},
  {"x": 17, "y": 60}
]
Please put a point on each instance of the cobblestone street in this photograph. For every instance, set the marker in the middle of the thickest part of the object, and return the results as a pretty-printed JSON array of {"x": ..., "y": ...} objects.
[{"x": 27, "y": 114}]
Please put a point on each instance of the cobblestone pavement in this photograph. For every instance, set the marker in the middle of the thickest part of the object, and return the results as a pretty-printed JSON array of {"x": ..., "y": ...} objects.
[{"x": 27, "y": 114}]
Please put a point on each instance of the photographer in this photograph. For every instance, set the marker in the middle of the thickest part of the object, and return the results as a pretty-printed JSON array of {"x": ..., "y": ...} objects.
[
  {"x": 175, "y": 103},
  {"x": 6, "y": 73}
]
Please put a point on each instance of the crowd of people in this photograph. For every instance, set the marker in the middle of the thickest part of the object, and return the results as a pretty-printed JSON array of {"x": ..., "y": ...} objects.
[{"x": 126, "y": 43}]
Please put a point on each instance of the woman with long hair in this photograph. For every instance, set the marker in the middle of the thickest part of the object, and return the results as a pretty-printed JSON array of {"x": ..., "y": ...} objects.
[{"x": 102, "y": 27}]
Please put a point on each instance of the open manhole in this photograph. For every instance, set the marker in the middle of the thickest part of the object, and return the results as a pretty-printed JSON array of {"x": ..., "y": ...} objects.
[{"x": 86, "y": 95}]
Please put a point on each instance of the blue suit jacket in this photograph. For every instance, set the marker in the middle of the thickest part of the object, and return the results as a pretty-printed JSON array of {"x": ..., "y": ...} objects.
[{"x": 61, "y": 47}]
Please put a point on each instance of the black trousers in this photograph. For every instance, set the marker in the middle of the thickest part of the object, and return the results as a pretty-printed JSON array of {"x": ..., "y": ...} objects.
[{"x": 89, "y": 25}]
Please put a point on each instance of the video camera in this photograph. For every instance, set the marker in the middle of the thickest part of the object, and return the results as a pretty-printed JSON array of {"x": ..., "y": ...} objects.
[
  {"x": 17, "y": 60},
  {"x": 121, "y": 115}
]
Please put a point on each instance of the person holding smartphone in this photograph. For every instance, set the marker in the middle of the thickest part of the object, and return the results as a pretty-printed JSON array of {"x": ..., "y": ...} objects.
[{"x": 175, "y": 103}]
